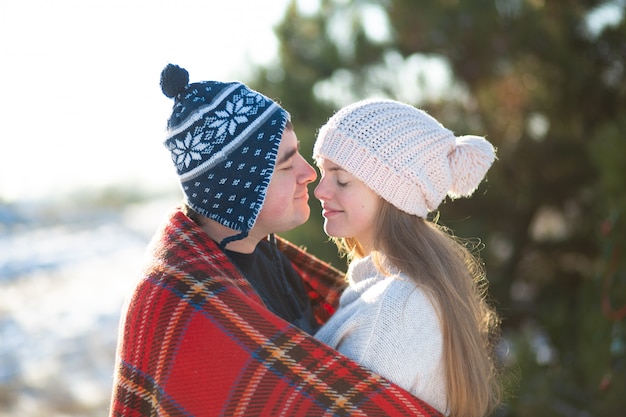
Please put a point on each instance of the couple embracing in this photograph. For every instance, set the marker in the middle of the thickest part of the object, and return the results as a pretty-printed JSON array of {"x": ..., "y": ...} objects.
[{"x": 229, "y": 319}]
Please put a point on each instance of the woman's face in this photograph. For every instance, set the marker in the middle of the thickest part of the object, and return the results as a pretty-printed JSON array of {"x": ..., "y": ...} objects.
[{"x": 349, "y": 207}]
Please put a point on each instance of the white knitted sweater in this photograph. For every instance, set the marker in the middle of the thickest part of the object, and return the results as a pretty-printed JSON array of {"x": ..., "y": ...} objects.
[{"x": 389, "y": 325}]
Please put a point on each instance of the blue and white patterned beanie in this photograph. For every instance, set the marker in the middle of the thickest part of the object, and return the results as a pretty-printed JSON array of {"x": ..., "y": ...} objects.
[{"x": 224, "y": 139}]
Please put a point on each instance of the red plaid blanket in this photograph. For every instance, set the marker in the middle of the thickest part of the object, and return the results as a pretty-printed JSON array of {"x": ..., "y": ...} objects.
[{"x": 196, "y": 340}]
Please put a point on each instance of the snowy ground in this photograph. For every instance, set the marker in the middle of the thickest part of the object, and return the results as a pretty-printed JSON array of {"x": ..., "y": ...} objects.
[{"x": 62, "y": 286}]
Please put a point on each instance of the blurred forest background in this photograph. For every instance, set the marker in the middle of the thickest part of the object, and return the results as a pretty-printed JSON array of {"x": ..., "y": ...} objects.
[{"x": 545, "y": 82}]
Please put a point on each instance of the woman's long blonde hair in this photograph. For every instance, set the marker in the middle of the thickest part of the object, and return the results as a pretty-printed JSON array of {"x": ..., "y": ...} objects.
[{"x": 449, "y": 273}]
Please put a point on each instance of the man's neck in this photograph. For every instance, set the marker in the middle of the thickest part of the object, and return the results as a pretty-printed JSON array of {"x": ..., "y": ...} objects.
[{"x": 218, "y": 233}]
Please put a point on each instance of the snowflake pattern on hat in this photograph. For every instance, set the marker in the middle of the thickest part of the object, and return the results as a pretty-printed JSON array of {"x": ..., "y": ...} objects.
[
  {"x": 223, "y": 139},
  {"x": 190, "y": 148}
]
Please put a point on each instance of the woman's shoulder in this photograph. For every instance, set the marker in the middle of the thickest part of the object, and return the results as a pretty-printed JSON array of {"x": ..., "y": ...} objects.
[
  {"x": 401, "y": 291},
  {"x": 375, "y": 286}
]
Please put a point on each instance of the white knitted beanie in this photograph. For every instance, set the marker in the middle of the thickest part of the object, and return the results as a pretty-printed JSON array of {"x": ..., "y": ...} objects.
[{"x": 403, "y": 154}]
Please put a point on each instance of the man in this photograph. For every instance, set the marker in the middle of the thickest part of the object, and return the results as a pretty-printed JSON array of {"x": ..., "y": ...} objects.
[{"x": 220, "y": 323}]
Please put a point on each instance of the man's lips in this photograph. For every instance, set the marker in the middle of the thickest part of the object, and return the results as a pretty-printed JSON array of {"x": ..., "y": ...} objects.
[{"x": 302, "y": 196}]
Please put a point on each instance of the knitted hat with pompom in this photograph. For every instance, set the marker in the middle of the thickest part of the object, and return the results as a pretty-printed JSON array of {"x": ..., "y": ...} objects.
[
  {"x": 404, "y": 155},
  {"x": 223, "y": 138}
]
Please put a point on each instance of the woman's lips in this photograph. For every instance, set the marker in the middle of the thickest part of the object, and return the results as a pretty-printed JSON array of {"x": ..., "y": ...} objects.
[{"x": 328, "y": 212}]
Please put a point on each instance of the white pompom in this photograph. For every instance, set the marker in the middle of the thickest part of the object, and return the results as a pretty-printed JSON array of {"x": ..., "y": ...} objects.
[{"x": 469, "y": 162}]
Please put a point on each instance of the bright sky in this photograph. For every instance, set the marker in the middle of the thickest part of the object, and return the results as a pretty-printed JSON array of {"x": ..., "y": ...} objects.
[{"x": 81, "y": 105}]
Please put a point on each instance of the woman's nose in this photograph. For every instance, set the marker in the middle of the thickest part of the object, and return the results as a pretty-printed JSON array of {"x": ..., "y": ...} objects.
[{"x": 320, "y": 190}]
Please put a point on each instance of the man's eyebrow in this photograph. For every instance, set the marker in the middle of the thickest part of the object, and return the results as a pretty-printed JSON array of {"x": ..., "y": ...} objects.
[{"x": 287, "y": 156}]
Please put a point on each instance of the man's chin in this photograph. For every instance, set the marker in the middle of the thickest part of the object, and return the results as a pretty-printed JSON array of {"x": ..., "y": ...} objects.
[{"x": 299, "y": 220}]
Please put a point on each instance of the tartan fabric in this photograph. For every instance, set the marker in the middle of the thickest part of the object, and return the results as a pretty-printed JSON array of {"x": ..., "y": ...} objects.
[
  {"x": 324, "y": 283},
  {"x": 195, "y": 340}
]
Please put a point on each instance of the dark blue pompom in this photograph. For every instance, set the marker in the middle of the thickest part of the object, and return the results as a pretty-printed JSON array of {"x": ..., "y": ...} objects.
[{"x": 173, "y": 80}]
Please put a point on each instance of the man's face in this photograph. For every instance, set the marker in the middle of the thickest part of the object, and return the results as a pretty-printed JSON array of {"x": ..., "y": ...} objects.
[{"x": 286, "y": 201}]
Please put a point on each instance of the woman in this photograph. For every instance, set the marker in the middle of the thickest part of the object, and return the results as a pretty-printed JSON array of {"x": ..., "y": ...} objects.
[{"x": 415, "y": 309}]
